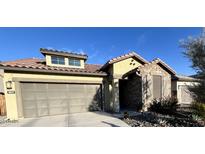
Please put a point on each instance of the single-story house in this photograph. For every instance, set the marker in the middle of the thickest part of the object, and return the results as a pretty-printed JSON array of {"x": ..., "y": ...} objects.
[{"x": 63, "y": 83}]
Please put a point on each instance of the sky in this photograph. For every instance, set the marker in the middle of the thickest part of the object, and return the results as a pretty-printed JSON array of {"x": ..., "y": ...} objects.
[{"x": 100, "y": 44}]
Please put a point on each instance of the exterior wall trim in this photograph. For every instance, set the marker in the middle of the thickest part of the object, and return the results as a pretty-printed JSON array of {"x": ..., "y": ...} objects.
[
  {"x": 17, "y": 69},
  {"x": 19, "y": 99},
  {"x": 54, "y": 81}
]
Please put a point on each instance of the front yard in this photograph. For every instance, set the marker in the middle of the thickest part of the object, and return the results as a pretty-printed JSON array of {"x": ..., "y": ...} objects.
[
  {"x": 166, "y": 112},
  {"x": 151, "y": 119}
]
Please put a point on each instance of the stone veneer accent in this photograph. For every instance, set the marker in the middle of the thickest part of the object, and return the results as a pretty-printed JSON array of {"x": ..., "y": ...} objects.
[
  {"x": 139, "y": 87},
  {"x": 147, "y": 71}
]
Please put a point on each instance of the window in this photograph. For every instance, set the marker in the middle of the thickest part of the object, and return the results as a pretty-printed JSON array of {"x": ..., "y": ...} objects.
[
  {"x": 58, "y": 60},
  {"x": 157, "y": 86},
  {"x": 74, "y": 62}
]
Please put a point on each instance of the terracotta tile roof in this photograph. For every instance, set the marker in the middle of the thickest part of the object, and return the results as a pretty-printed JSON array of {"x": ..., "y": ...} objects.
[
  {"x": 38, "y": 64},
  {"x": 123, "y": 57}
]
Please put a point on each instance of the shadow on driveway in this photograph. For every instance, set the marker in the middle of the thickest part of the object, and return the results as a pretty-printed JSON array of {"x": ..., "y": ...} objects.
[{"x": 112, "y": 125}]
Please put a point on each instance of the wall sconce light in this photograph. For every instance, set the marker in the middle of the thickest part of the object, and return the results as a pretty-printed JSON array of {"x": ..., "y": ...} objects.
[{"x": 9, "y": 85}]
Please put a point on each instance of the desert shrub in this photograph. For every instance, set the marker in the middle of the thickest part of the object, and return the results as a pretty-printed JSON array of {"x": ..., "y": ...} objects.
[
  {"x": 94, "y": 107},
  {"x": 164, "y": 105},
  {"x": 126, "y": 115},
  {"x": 199, "y": 109}
]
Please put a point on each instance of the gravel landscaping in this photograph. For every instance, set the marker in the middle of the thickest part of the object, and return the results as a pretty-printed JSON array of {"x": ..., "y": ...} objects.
[
  {"x": 4, "y": 122},
  {"x": 151, "y": 119}
]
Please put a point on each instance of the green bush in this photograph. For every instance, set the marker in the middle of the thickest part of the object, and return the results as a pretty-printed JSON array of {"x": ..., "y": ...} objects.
[
  {"x": 164, "y": 105},
  {"x": 199, "y": 109}
]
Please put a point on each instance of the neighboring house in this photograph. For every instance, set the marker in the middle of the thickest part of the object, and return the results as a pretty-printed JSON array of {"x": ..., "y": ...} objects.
[{"x": 63, "y": 83}]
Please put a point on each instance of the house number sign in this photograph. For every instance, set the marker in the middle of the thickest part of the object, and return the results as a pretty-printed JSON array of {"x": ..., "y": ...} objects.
[{"x": 10, "y": 92}]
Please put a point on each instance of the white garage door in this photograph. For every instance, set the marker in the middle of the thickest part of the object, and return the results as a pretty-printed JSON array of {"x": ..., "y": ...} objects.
[{"x": 43, "y": 99}]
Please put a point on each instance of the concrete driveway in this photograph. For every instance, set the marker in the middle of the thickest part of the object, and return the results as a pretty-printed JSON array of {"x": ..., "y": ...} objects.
[{"x": 88, "y": 119}]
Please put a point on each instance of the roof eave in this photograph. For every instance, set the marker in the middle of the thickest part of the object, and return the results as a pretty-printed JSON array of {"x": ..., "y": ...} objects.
[
  {"x": 104, "y": 66},
  {"x": 63, "y": 54},
  {"x": 165, "y": 65},
  {"x": 110, "y": 63},
  {"x": 186, "y": 80},
  {"x": 176, "y": 78},
  {"x": 18, "y": 69}
]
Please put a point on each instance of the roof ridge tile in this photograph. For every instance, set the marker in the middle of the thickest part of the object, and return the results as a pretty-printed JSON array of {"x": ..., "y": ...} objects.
[{"x": 62, "y": 51}]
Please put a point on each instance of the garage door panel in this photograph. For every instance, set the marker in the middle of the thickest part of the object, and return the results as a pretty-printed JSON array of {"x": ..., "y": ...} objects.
[
  {"x": 58, "y": 103},
  {"x": 76, "y": 93},
  {"x": 77, "y": 101},
  {"x": 30, "y": 113},
  {"x": 76, "y": 96},
  {"x": 58, "y": 111},
  {"x": 90, "y": 100},
  {"x": 40, "y": 95},
  {"x": 76, "y": 88},
  {"x": 42, "y": 99},
  {"x": 42, "y": 103},
  {"x": 92, "y": 90},
  {"x": 57, "y": 87},
  {"x": 43, "y": 112},
  {"x": 56, "y": 95},
  {"x": 40, "y": 87},
  {"x": 28, "y": 87},
  {"x": 28, "y": 96},
  {"x": 27, "y": 104},
  {"x": 77, "y": 109}
]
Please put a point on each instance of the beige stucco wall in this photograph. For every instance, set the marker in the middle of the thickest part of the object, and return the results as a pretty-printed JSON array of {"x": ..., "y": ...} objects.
[
  {"x": 122, "y": 67},
  {"x": 11, "y": 99},
  {"x": 49, "y": 63}
]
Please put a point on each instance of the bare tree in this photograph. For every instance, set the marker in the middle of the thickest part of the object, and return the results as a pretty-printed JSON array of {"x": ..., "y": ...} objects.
[{"x": 195, "y": 51}]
